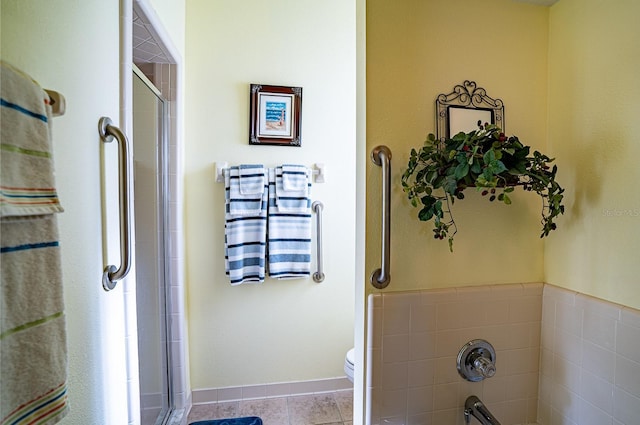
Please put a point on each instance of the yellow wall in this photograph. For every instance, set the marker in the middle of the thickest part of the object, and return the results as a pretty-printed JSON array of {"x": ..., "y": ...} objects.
[
  {"x": 416, "y": 50},
  {"x": 280, "y": 331},
  {"x": 172, "y": 15},
  {"x": 594, "y": 122}
]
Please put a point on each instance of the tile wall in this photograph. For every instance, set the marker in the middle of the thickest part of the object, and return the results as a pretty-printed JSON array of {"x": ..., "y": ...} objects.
[
  {"x": 414, "y": 340},
  {"x": 276, "y": 390},
  {"x": 590, "y": 361},
  {"x": 563, "y": 358}
]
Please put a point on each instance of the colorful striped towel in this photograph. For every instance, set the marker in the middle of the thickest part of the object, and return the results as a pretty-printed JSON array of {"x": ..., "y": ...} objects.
[
  {"x": 245, "y": 224},
  {"x": 33, "y": 352},
  {"x": 27, "y": 185},
  {"x": 289, "y": 242},
  {"x": 33, "y": 369}
]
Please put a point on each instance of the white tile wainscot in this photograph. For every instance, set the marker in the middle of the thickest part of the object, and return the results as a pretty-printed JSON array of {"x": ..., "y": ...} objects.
[
  {"x": 414, "y": 339},
  {"x": 562, "y": 357}
]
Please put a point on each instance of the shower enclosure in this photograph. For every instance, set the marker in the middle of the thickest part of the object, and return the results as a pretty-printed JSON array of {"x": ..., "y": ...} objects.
[{"x": 151, "y": 196}]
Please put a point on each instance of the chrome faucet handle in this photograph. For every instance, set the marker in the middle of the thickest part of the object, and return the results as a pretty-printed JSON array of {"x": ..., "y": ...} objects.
[
  {"x": 484, "y": 366},
  {"x": 477, "y": 360}
]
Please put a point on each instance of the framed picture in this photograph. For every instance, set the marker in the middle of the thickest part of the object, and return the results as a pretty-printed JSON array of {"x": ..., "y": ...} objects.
[
  {"x": 275, "y": 115},
  {"x": 461, "y": 110},
  {"x": 466, "y": 119}
]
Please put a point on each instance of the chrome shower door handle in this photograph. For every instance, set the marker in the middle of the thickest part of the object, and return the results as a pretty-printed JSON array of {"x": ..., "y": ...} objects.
[
  {"x": 111, "y": 273},
  {"x": 381, "y": 155}
]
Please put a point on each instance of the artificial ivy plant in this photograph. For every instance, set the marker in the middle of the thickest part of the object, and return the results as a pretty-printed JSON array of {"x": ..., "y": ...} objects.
[{"x": 438, "y": 173}]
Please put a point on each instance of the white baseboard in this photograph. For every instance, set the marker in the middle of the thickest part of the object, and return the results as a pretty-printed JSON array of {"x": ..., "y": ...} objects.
[{"x": 281, "y": 389}]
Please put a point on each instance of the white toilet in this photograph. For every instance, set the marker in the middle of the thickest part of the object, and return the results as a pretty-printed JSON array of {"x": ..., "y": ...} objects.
[{"x": 348, "y": 364}]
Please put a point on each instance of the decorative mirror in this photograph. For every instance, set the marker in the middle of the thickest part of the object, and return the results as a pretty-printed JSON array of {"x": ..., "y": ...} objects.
[{"x": 461, "y": 110}]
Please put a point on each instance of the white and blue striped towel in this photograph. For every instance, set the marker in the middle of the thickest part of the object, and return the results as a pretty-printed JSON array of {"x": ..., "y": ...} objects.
[
  {"x": 292, "y": 186},
  {"x": 247, "y": 185},
  {"x": 245, "y": 223},
  {"x": 289, "y": 222}
]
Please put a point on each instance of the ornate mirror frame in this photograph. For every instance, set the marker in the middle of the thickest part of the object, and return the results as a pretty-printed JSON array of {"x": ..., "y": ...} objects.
[{"x": 461, "y": 110}]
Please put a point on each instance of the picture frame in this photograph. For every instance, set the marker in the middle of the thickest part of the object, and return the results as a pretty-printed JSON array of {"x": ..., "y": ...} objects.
[
  {"x": 275, "y": 115},
  {"x": 461, "y": 110},
  {"x": 463, "y": 119}
]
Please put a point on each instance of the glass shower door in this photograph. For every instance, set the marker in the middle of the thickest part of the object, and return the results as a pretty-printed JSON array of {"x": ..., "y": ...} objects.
[{"x": 150, "y": 197}]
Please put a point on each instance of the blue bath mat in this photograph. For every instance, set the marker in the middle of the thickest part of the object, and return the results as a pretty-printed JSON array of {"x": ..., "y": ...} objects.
[{"x": 252, "y": 420}]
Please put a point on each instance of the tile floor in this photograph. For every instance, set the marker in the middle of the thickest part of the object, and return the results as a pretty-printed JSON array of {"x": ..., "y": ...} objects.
[{"x": 333, "y": 408}]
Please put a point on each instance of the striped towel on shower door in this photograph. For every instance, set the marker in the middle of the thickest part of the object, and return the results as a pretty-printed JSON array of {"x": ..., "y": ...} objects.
[
  {"x": 245, "y": 227},
  {"x": 289, "y": 241}
]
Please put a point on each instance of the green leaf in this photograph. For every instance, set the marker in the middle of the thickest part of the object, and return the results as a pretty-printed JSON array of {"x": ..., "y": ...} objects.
[
  {"x": 489, "y": 156},
  {"x": 488, "y": 175},
  {"x": 450, "y": 185},
  {"x": 428, "y": 201},
  {"x": 460, "y": 137},
  {"x": 461, "y": 170},
  {"x": 497, "y": 167},
  {"x": 506, "y": 199},
  {"x": 425, "y": 214},
  {"x": 437, "y": 207},
  {"x": 522, "y": 153}
]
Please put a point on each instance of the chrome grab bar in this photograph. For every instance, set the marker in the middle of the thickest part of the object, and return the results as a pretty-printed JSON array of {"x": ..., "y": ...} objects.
[
  {"x": 107, "y": 133},
  {"x": 317, "y": 207},
  {"x": 381, "y": 155}
]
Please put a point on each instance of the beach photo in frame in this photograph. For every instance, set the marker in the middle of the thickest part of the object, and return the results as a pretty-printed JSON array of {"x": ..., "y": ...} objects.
[{"x": 275, "y": 115}]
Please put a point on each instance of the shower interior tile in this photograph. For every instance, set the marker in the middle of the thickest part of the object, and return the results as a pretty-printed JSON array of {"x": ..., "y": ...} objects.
[
  {"x": 630, "y": 316},
  {"x": 628, "y": 342}
]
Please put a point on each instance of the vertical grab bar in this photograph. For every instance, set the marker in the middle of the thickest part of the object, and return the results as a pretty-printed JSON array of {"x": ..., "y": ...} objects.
[
  {"x": 317, "y": 207},
  {"x": 381, "y": 155},
  {"x": 107, "y": 133}
]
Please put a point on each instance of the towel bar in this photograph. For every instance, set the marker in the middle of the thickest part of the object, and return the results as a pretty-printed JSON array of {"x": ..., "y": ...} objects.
[
  {"x": 318, "y": 171},
  {"x": 317, "y": 207},
  {"x": 57, "y": 102}
]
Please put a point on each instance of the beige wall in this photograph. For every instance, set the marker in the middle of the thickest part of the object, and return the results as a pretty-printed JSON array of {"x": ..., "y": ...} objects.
[
  {"x": 594, "y": 61},
  {"x": 415, "y": 51},
  {"x": 280, "y": 331}
]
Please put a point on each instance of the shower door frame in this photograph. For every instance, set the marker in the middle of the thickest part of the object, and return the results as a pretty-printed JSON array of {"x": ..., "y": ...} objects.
[
  {"x": 171, "y": 87},
  {"x": 162, "y": 228}
]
